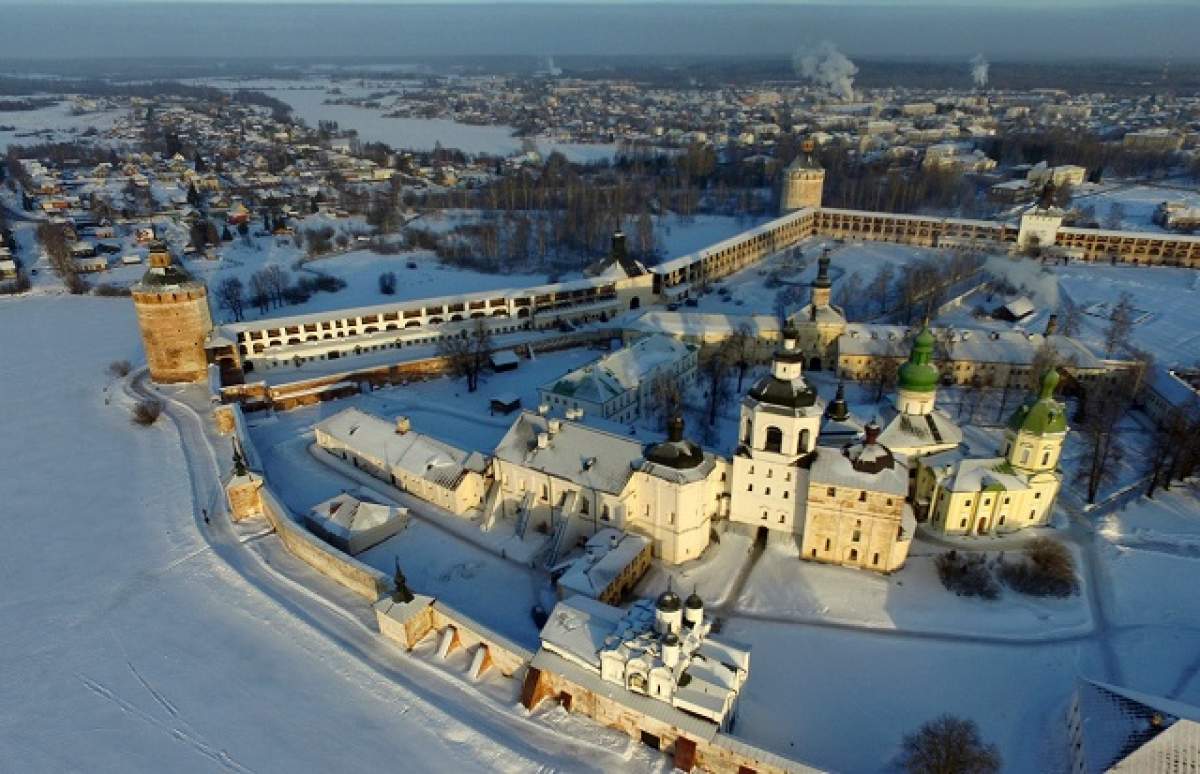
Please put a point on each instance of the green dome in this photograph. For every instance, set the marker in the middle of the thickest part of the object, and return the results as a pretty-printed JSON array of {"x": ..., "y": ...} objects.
[
  {"x": 919, "y": 374},
  {"x": 1043, "y": 414}
]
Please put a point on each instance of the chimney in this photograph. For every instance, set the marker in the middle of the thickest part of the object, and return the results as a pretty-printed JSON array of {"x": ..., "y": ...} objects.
[
  {"x": 543, "y": 440},
  {"x": 871, "y": 432},
  {"x": 403, "y": 425},
  {"x": 675, "y": 428},
  {"x": 1052, "y": 325},
  {"x": 618, "y": 246}
]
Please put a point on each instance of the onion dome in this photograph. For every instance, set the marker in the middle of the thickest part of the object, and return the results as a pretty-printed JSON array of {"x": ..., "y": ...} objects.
[
  {"x": 1041, "y": 414},
  {"x": 675, "y": 452},
  {"x": 838, "y": 411},
  {"x": 694, "y": 602},
  {"x": 668, "y": 602},
  {"x": 870, "y": 456},
  {"x": 919, "y": 374},
  {"x": 670, "y": 638}
]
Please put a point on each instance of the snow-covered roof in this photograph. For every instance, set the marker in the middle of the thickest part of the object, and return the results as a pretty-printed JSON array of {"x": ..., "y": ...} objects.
[
  {"x": 833, "y": 468},
  {"x": 590, "y": 458},
  {"x": 621, "y": 371},
  {"x": 606, "y": 555},
  {"x": 700, "y": 325},
  {"x": 908, "y": 431},
  {"x": 412, "y": 452},
  {"x": 1013, "y": 347}
]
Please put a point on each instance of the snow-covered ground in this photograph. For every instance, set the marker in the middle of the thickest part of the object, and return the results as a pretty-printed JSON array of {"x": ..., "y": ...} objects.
[
  {"x": 1138, "y": 203},
  {"x": 308, "y": 101},
  {"x": 137, "y": 640},
  {"x": 55, "y": 123}
]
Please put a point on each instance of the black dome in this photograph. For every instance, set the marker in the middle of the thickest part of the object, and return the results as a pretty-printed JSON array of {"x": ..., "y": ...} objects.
[
  {"x": 694, "y": 602},
  {"x": 668, "y": 601},
  {"x": 783, "y": 392},
  {"x": 675, "y": 452}
]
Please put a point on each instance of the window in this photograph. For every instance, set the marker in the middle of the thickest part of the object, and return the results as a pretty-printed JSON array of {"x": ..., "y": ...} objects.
[
  {"x": 854, "y": 554},
  {"x": 781, "y": 518},
  {"x": 831, "y": 491},
  {"x": 749, "y": 487},
  {"x": 1024, "y": 456},
  {"x": 1046, "y": 458},
  {"x": 1006, "y": 500},
  {"x": 963, "y": 523},
  {"x": 1037, "y": 495},
  {"x": 767, "y": 492},
  {"x": 802, "y": 442},
  {"x": 826, "y": 544},
  {"x": 875, "y": 558},
  {"x": 768, "y": 472},
  {"x": 764, "y": 515},
  {"x": 857, "y": 536},
  {"x": 604, "y": 513},
  {"x": 785, "y": 494},
  {"x": 774, "y": 442},
  {"x": 889, "y": 501},
  {"x": 545, "y": 492},
  {"x": 862, "y": 497}
]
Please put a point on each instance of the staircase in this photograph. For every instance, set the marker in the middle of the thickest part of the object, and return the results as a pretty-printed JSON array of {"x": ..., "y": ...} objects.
[{"x": 523, "y": 513}]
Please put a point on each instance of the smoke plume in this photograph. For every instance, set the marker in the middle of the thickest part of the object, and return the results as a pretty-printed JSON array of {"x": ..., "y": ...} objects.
[
  {"x": 979, "y": 71},
  {"x": 828, "y": 68}
]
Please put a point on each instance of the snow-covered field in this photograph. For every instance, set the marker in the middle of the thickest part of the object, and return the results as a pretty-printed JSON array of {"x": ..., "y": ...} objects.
[
  {"x": 308, "y": 101},
  {"x": 1171, "y": 332},
  {"x": 1137, "y": 202},
  {"x": 55, "y": 123},
  {"x": 137, "y": 640}
]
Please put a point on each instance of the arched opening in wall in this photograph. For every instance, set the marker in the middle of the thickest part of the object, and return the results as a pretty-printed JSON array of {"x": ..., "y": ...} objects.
[
  {"x": 774, "y": 442},
  {"x": 635, "y": 303},
  {"x": 456, "y": 318},
  {"x": 413, "y": 324},
  {"x": 435, "y": 321},
  {"x": 313, "y": 337},
  {"x": 814, "y": 364},
  {"x": 802, "y": 442},
  {"x": 477, "y": 314},
  {"x": 522, "y": 313},
  {"x": 500, "y": 313},
  {"x": 746, "y": 433}
]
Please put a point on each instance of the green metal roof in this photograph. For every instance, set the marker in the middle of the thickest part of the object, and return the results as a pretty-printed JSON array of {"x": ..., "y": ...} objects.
[
  {"x": 1042, "y": 414},
  {"x": 919, "y": 374}
]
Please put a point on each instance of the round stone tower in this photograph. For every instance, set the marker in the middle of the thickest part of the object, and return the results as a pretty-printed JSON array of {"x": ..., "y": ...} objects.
[
  {"x": 173, "y": 315},
  {"x": 803, "y": 181}
]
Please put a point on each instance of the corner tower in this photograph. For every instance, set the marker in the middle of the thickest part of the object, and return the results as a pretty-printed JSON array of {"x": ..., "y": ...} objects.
[
  {"x": 803, "y": 182},
  {"x": 173, "y": 316}
]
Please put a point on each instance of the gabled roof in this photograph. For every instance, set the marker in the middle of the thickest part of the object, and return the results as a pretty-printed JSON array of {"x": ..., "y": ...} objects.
[{"x": 585, "y": 456}]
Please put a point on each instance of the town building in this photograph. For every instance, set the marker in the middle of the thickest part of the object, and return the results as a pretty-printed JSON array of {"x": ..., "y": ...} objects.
[
  {"x": 956, "y": 494},
  {"x": 423, "y": 466},
  {"x": 620, "y": 386},
  {"x": 569, "y": 481}
]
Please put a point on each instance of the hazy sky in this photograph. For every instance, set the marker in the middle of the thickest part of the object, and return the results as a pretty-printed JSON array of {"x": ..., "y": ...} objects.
[{"x": 1045, "y": 29}]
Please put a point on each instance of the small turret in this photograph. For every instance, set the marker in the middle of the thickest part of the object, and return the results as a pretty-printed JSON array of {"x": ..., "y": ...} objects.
[
  {"x": 838, "y": 410},
  {"x": 668, "y": 612},
  {"x": 693, "y": 609}
]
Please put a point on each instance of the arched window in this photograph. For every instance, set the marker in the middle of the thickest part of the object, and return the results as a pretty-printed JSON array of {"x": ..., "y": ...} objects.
[
  {"x": 746, "y": 433},
  {"x": 802, "y": 443},
  {"x": 774, "y": 440}
]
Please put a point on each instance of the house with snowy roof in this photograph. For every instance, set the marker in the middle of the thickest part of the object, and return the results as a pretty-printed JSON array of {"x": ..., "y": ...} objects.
[
  {"x": 430, "y": 469},
  {"x": 570, "y": 481},
  {"x": 619, "y": 386}
]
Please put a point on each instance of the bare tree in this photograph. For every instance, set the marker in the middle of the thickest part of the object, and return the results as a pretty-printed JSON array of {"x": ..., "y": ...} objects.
[
  {"x": 1115, "y": 218},
  {"x": 231, "y": 297},
  {"x": 714, "y": 367},
  {"x": 742, "y": 344},
  {"x": 119, "y": 368},
  {"x": 1070, "y": 317},
  {"x": 146, "y": 411},
  {"x": 260, "y": 292},
  {"x": 467, "y": 352},
  {"x": 948, "y": 745},
  {"x": 1120, "y": 323},
  {"x": 1098, "y": 431},
  {"x": 665, "y": 395},
  {"x": 883, "y": 376}
]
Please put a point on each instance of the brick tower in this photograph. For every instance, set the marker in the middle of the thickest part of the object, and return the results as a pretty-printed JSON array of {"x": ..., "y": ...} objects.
[
  {"x": 803, "y": 181},
  {"x": 173, "y": 316}
]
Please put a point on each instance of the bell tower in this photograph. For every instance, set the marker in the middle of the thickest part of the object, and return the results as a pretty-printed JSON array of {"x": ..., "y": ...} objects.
[
  {"x": 1036, "y": 432},
  {"x": 174, "y": 319}
]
